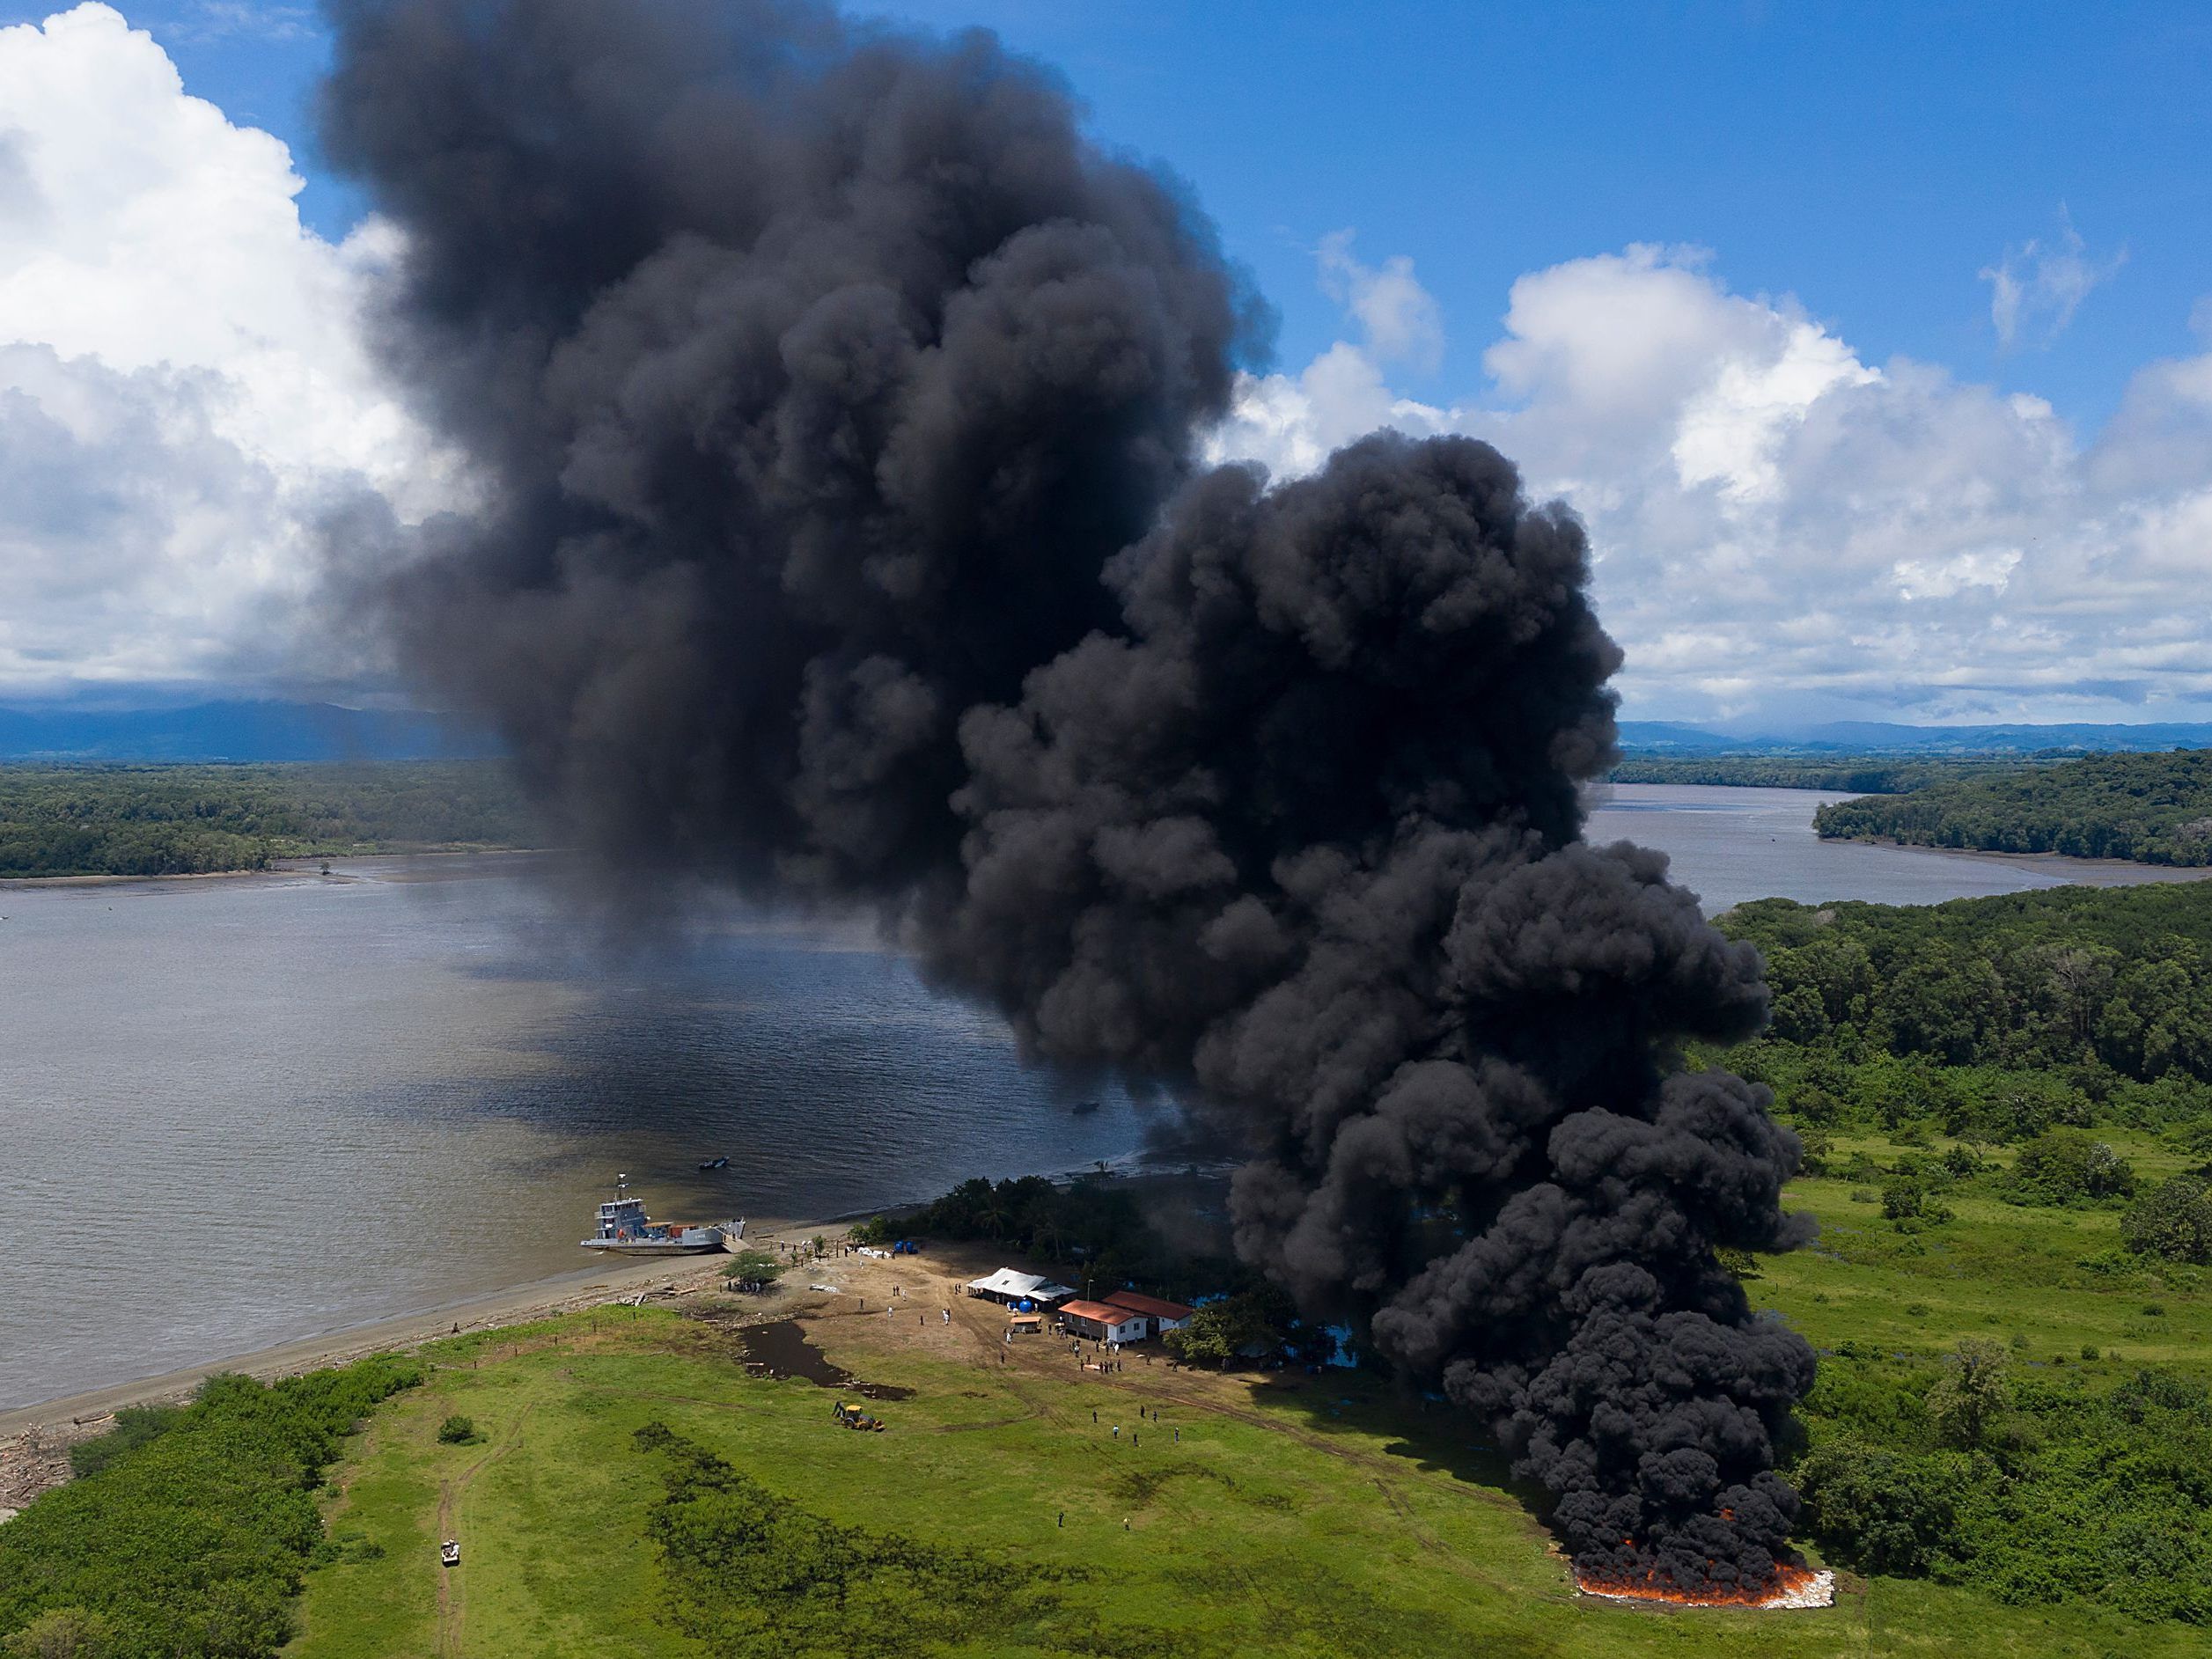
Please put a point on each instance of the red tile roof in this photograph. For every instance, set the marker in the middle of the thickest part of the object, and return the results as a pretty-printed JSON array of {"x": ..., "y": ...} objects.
[
  {"x": 1139, "y": 1302},
  {"x": 1098, "y": 1312}
]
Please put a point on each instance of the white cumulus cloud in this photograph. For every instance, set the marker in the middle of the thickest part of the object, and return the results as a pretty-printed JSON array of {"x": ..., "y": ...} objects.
[
  {"x": 1398, "y": 316},
  {"x": 185, "y": 392},
  {"x": 1780, "y": 525},
  {"x": 187, "y": 402}
]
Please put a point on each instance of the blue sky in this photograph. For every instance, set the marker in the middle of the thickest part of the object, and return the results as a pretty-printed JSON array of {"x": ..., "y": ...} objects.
[
  {"x": 1873, "y": 343},
  {"x": 1870, "y": 159}
]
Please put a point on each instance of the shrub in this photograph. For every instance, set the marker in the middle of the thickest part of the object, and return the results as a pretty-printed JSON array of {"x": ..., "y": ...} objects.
[
  {"x": 759, "y": 1268},
  {"x": 1862, "y": 1167},
  {"x": 750, "y": 1573},
  {"x": 2110, "y": 1264},
  {"x": 2172, "y": 1219},
  {"x": 1875, "y": 1510},
  {"x": 2061, "y": 1166},
  {"x": 1908, "y": 1201},
  {"x": 457, "y": 1430},
  {"x": 60, "y": 1632},
  {"x": 1970, "y": 1391},
  {"x": 134, "y": 1426},
  {"x": 1814, "y": 1148}
]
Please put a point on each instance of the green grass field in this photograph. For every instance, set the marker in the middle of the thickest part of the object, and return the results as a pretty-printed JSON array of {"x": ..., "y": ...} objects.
[
  {"x": 1329, "y": 1518},
  {"x": 1998, "y": 1271}
]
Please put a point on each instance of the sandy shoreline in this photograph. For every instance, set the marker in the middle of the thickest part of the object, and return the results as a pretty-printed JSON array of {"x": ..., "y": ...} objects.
[
  {"x": 290, "y": 864},
  {"x": 35, "y": 1439}
]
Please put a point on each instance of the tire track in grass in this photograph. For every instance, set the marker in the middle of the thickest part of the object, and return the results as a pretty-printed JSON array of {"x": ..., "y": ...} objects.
[{"x": 452, "y": 1602}]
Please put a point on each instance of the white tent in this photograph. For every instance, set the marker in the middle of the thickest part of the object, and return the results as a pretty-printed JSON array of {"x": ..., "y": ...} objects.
[{"x": 1008, "y": 1286}]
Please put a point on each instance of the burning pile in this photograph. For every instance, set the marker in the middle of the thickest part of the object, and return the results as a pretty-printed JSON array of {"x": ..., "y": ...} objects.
[
  {"x": 836, "y": 407},
  {"x": 1793, "y": 1587}
]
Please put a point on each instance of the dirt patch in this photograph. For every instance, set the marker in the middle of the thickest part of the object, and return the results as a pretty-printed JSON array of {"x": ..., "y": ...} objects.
[
  {"x": 782, "y": 1350},
  {"x": 39, "y": 1461}
]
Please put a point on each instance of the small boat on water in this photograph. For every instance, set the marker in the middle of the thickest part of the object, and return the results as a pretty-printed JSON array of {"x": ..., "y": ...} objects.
[
  {"x": 624, "y": 1230},
  {"x": 1085, "y": 1108},
  {"x": 715, "y": 1163}
]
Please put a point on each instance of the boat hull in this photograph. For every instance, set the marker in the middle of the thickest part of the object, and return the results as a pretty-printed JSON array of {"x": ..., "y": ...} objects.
[{"x": 651, "y": 1246}]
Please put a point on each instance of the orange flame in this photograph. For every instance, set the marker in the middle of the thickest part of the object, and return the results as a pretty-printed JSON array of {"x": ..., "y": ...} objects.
[{"x": 1652, "y": 1587}]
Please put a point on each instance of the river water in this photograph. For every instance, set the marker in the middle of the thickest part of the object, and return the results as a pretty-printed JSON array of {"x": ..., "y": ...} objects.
[
  {"x": 1728, "y": 844},
  {"x": 235, "y": 1112},
  {"x": 240, "y": 1111}
]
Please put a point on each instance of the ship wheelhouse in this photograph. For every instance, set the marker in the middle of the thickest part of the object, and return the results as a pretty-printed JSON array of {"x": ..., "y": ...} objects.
[{"x": 622, "y": 1217}]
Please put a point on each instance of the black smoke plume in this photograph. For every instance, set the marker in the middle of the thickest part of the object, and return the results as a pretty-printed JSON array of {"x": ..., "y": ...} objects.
[{"x": 835, "y": 406}]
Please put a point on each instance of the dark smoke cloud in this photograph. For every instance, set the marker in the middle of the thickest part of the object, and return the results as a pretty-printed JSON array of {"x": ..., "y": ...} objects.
[{"x": 835, "y": 403}]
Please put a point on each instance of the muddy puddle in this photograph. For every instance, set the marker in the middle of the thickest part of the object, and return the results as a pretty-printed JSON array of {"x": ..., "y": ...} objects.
[{"x": 782, "y": 1350}]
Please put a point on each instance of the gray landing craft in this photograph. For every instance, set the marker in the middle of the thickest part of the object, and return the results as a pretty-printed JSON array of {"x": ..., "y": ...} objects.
[{"x": 624, "y": 1230}]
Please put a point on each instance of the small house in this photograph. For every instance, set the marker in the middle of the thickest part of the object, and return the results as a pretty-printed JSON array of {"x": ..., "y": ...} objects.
[
  {"x": 1026, "y": 1324},
  {"x": 1160, "y": 1317},
  {"x": 1102, "y": 1323},
  {"x": 1008, "y": 1288}
]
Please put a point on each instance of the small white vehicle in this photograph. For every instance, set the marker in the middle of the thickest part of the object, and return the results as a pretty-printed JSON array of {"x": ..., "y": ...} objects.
[{"x": 450, "y": 1552}]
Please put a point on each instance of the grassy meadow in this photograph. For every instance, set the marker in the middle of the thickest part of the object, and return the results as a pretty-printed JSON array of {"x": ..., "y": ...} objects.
[
  {"x": 1999, "y": 1271},
  {"x": 1294, "y": 1516}
]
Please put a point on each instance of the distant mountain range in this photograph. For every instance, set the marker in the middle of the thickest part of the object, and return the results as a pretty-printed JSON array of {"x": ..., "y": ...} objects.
[
  {"x": 1877, "y": 738},
  {"x": 245, "y": 729},
  {"x": 234, "y": 730}
]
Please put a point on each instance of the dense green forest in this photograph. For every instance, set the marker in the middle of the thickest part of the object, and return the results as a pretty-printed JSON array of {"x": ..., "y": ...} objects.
[
  {"x": 2101, "y": 995},
  {"x": 179, "y": 821},
  {"x": 2154, "y": 809},
  {"x": 2013, "y": 1476},
  {"x": 188, "y": 1531},
  {"x": 1861, "y": 775}
]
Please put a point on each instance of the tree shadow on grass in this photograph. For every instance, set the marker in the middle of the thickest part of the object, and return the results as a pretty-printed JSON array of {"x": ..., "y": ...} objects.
[{"x": 1434, "y": 1436}]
